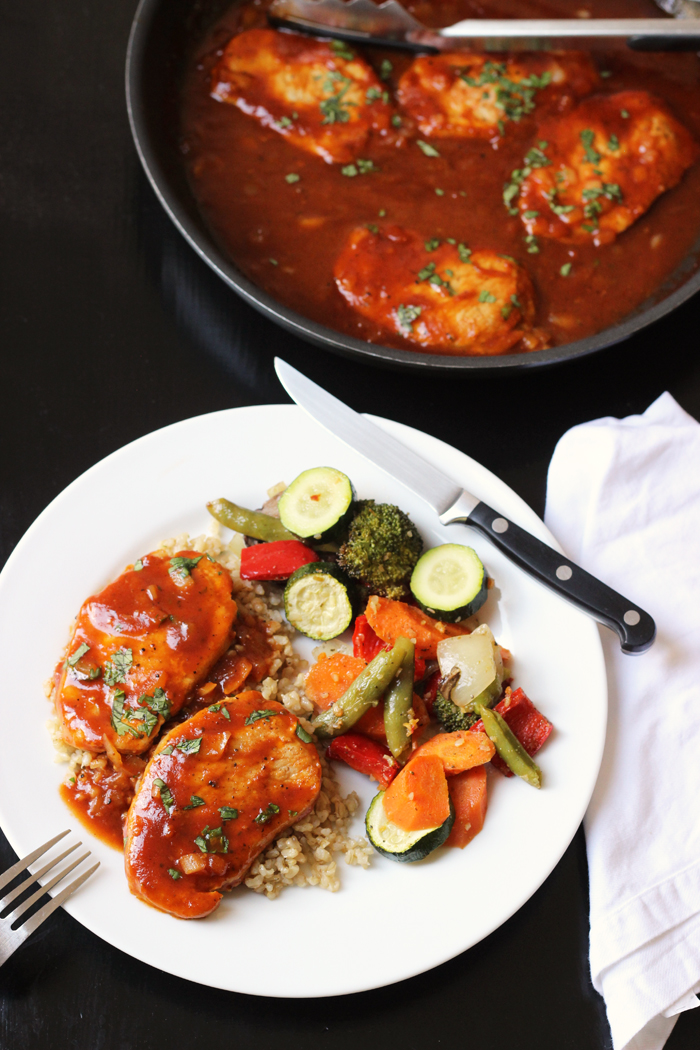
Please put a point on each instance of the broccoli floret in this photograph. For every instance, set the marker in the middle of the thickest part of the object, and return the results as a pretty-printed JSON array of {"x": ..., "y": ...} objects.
[
  {"x": 382, "y": 549},
  {"x": 451, "y": 717}
]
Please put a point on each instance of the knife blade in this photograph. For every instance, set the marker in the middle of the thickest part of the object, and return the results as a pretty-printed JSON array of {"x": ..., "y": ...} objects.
[
  {"x": 390, "y": 24},
  {"x": 453, "y": 504}
]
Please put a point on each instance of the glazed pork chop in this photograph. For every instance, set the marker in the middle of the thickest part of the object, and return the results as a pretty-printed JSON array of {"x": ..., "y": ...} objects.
[
  {"x": 601, "y": 166},
  {"x": 138, "y": 648},
  {"x": 462, "y": 95},
  {"x": 438, "y": 294},
  {"x": 318, "y": 94},
  {"x": 218, "y": 789}
]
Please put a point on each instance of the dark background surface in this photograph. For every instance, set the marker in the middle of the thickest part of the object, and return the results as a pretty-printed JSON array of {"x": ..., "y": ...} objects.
[{"x": 111, "y": 328}]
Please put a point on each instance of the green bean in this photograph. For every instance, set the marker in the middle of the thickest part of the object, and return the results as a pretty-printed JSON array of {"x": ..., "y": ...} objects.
[
  {"x": 398, "y": 702},
  {"x": 251, "y": 523},
  {"x": 363, "y": 693},
  {"x": 509, "y": 747}
]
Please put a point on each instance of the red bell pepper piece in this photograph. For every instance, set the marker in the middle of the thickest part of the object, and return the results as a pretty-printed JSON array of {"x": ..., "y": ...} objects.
[
  {"x": 367, "y": 644},
  {"x": 431, "y": 690},
  {"x": 366, "y": 756},
  {"x": 529, "y": 725},
  {"x": 276, "y": 560}
]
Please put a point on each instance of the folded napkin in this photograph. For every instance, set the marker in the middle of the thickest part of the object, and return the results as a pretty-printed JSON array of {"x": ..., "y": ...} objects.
[{"x": 623, "y": 499}]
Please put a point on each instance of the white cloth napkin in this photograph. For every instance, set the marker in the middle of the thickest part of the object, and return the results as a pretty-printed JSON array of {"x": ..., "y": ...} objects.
[{"x": 623, "y": 499}]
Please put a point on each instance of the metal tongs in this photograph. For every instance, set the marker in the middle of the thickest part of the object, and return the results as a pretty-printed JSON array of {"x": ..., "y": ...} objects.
[{"x": 389, "y": 24}]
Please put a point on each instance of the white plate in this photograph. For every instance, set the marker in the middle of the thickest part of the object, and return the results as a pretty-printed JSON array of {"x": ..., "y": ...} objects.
[{"x": 426, "y": 913}]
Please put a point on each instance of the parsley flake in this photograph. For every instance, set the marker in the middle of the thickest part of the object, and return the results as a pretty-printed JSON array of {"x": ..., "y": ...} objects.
[
  {"x": 292, "y": 177},
  {"x": 195, "y": 801},
  {"x": 432, "y": 246},
  {"x": 117, "y": 668},
  {"x": 613, "y": 143},
  {"x": 182, "y": 567},
  {"x": 228, "y": 813},
  {"x": 396, "y": 121},
  {"x": 191, "y": 746},
  {"x": 486, "y": 297},
  {"x": 263, "y": 712},
  {"x": 439, "y": 192},
  {"x": 464, "y": 253},
  {"x": 166, "y": 795},
  {"x": 385, "y": 69},
  {"x": 342, "y": 50},
  {"x": 266, "y": 815},
  {"x": 565, "y": 270},
  {"x": 427, "y": 149},
  {"x": 624, "y": 114},
  {"x": 302, "y": 734},
  {"x": 118, "y": 723},
  {"x": 285, "y": 122},
  {"x": 212, "y": 840},
  {"x": 80, "y": 651},
  {"x": 174, "y": 874},
  {"x": 506, "y": 311},
  {"x": 406, "y": 315},
  {"x": 138, "y": 564},
  {"x": 372, "y": 227}
]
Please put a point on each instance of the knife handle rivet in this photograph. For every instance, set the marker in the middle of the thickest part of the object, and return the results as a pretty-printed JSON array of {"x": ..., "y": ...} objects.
[
  {"x": 631, "y": 617},
  {"x": 499, "y": 525},
  {"x": 564, "y": 572}
]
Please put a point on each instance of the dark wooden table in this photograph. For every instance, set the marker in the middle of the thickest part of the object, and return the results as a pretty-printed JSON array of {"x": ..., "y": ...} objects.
[{"x": 112, "y": 327}]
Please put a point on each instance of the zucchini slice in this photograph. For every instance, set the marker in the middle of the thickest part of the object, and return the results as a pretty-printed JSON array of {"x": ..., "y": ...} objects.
[
  {"x": 317, "y": 601},
  {"x": 450, "y": 582},
  {"x": 395, "y": 843},
  {"x": 316, "y": 503}
]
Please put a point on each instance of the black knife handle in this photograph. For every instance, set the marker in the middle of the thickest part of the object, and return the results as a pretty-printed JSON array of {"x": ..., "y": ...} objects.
[{"x": 634, "y": 626}]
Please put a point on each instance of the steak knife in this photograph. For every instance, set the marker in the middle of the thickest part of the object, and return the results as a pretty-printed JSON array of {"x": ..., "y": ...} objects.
[{"x": 452, "y": 504}]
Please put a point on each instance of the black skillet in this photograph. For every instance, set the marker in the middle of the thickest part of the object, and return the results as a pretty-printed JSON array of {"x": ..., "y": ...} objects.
[{"x": 162, "y": 37}]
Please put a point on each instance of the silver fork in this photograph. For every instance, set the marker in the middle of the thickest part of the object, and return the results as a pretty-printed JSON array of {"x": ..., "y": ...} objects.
[{"x": 10, "y": 939}]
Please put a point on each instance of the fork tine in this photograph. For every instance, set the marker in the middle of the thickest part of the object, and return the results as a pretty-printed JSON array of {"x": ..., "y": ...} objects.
[
  {"x": 36, "y": 920},
  {"x": 19, "y": 867},
  {"x": 8, "y": 898},
  {"x": 20, "y": 909}
]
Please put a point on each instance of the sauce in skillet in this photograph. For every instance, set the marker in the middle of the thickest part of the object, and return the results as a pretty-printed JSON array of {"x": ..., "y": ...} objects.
[{"x": 286, "y": 236}]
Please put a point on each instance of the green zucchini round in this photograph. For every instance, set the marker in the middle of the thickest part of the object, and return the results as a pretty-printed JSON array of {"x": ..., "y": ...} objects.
[
  {"x": 395, "y": 843},
  {"x": 317, "y": 503},
  {"x": 317, "y": 601},
  {"x": 450, "y": 582}
]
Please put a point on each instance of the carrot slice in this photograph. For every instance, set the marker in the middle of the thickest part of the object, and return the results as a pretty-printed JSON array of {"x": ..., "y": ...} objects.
[
  {"x": 458, "y": 751},
  {"x": 468, "y": 794},
  {"x": 418, "y": 797},
  {"x": 391, "y": 620},
  {"x": 330, "y": 677},
  {"x": 372, "y": 724}
]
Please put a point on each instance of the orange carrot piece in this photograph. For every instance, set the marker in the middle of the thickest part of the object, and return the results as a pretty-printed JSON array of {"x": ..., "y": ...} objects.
[
  {"x": 372, "y": 724},
  {"x": 330, "y": 677},
  {"x": 458, "y": 751},
  {"x": 418, "y": 797},
  {"x": 468, "y": 794},
  {"x": 391, "y": 620}
]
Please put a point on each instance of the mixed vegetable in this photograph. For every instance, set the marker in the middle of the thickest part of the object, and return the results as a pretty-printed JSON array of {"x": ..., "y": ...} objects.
[{"x": 425, "y": 700}]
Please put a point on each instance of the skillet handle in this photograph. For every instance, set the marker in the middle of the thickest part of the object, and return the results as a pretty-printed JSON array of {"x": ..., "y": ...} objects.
[{"x": 635, "y": 627}]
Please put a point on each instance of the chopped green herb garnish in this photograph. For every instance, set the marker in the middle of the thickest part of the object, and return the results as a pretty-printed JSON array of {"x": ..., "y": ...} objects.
[
  {"x": 506, "y": 311},
  {"x": 302, "y": 734},
  {"x": 396, "y": 120},
  {"x": 267, "y": 814},
  {"x": 292, "y": 177},
  {"x": 516, "y": 302},
  {"x": 274, "y": 262},
  {"x": 182, "y": 567},
  {"x": 432, "y": 246},
  {"x": 381, "y": 213},
  {"x": 532, "y": 245},
  {"x": 385, "y": 69},
  {"x": 228, "y": 813},
  {"x": 624, "y": 114},
  {"x": 606, "y": 73},
  {"x": 263, "y": 712},
  {"x": 486, "y": 296},
  {"x": 427, "y": 149},
  {"x": 373, "y": 93},
  {"x": 514, "y": 98},
  {"x": 530, "y": 214},
  {"x": 117, "y": 668},
  {"x": 166, "y": 795},
  {"x": 168, "y": 750},
  {"x": 118, "y": 724},
  {"x": 613, "y": 143},
  {"x": 439, "y": 192},
  {"x": 565, "y": 270},
  {"x": 406, "y": 315},
  {"x": 94, "y": 672},
  {"x": 372, "y": 227},
  {"x": 342, "y": 50},
  {"x": 365, "y": 166},
  {"x": 158, "y": 703},
  {"x": 138, "y": 564},
  {"x": 212, "y": 840},
  {"x": 80, "y": 651},
  {"x": 191, "y": 746},
  {"x": 334, "y": 109},
  {"x": 174, "y": 874},
  {"x": 587, "y": 137},
  {"x": 349, "y": 170},
  {"x": 293, "y": 812},
  {"x": 285, "y": 122},
  {"x": 450, "y": 240},
  {"x": 464, "y": 253},
  {"x": 195, "y": 801}
]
